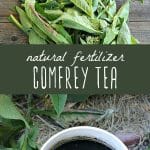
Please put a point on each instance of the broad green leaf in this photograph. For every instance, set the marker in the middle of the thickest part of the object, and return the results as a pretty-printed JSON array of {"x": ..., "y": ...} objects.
[
  {"x": 78, "y": 22},
  {"x": 9, "y": 111},
  {"x": 84, "y": 6},
  {"x": 42, "y": 24},
  {"x": 34, "y": 38},
  {"x": 59, "y": 101},
  {"x": 124, "y": 35},
  {"x": 122, "y": 13}
]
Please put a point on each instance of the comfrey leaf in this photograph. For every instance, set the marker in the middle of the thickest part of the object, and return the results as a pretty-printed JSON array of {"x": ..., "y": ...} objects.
[
  {"x": 124, "y": 35},
  {"x": 119, "y": 26},
  {"x": 26, "y": 23},
  {"x": 59, "y": 101},
  {"x": 75, "y": 21},
  {"x": 53, "y": 14},
  {"x": 84, "y": 5},
  {"x": 40, "y": 33},
  {"x": 60, "y": 29},
  {"x": 53, "y": 4},
  {"x": 78, "y": 22},
  {"x": 122, "y": 13},
  {"x": 9, "y": 111}
]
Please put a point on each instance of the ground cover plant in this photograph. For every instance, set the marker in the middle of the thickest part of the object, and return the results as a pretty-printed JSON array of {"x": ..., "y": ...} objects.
[{"x": 60, "y": 22}]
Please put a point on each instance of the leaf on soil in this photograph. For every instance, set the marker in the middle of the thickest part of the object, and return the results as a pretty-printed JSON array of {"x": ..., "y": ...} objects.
[
  {"x": 59, "y": 101},
  {"x": 9, "y": 111},
  {"x": 71, "y": 117}
]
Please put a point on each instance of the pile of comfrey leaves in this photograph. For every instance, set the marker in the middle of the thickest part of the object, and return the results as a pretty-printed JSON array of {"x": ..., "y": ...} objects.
[
  {"x": 74, "y": 22},
  {"x": 59, "y": 22}
]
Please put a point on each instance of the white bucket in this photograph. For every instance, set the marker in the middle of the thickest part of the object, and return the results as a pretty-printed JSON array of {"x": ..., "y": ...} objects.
[{"x": 100, "y": 135}]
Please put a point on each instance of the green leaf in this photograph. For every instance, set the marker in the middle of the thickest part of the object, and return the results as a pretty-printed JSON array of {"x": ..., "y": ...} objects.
[
  {"x": 49, "y": 14},
  {"x": 60, "y": 29},
  {"x": 59, "y": 101},
  {"x": 53, "y": 4},
  {"x": 16, "y": 22},
  {"x": 72, "y": 117},
  {"x": 28, "y": 140},
  {"x": 84, "y": 5},
  {"x": 9, "y": 111},
  {"x": 123, "y": 13},
  {"x": 53, "y": 14},
  {"x": 134, "y": 40},
  {"x": 39, "y": 32},
  {"x": 124, "y": 35},
  {"x": 111, "y": 8},
  {"x": 78, "y": 22},
  {"x": 34, "y": 38},
  {"x": 95, "y": 5},
  {"x": 26, "y": 23}
]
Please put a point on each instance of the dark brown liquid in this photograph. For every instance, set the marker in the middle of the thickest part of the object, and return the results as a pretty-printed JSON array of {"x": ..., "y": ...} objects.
[{"x": 82, "y": 145}]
